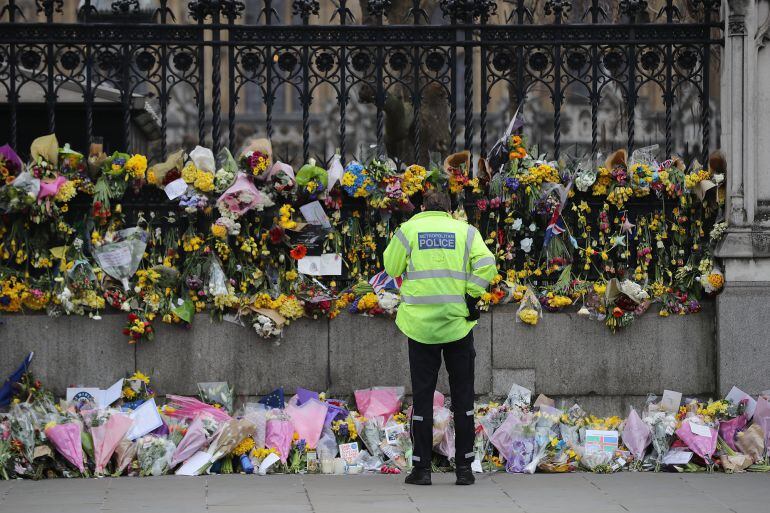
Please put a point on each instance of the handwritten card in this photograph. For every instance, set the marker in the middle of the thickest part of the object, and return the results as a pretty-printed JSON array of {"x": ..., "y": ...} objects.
[
  {"x": 349, "y": 452},
  {"x": 671, "y": 401},
  {"x": 146, "y": 419},
  {"x": 176, "y": 188},
  {"x": 328, "y": 264},
  {"x": 700, "y": 430}
]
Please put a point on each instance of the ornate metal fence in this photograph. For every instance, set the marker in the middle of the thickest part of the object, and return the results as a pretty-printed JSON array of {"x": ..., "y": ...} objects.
[{"x": 465, "y": 60}]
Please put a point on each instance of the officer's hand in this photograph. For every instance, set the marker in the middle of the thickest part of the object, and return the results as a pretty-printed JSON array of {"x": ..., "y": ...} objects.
[{"x": 473, "y": 309}]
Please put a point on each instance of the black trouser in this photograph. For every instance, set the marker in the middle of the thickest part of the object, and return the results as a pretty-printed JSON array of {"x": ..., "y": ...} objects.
[{"x": 424, "y": 364}]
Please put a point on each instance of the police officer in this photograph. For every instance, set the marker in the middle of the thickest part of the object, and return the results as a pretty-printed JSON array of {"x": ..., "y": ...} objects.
[{"x": 448, "y": 267}]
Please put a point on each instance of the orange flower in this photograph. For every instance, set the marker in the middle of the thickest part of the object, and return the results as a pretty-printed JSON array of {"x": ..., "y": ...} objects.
[
  {"x": 617, "y": 312},
  {"x": 299, "y": 252}
]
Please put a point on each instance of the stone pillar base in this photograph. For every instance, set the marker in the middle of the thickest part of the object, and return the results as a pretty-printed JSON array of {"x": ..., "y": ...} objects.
[{"x": 743, "y": 336}]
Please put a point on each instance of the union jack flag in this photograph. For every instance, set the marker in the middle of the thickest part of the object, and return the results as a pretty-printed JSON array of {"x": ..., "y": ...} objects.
[
  {"x": 555, "y": 227},
  {"x": 382, "y": 280}
]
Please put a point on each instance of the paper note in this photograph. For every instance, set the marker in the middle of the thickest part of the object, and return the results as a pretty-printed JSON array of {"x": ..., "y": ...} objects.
[
  {"x": 671, "y": 401},
  {"x": 601, "y": 441},
  {"x": 476, "y": 466},
  {"x": 194, "y": 464},
  {"x": 677, "y": 458},
  {"x": 146, "y": 419},
  {"x": 176, "y": 188},
  {"x": 736, "y": 395},
  {"x": 349, "y": 452},
  {"x": 335, "y": 171},
  {"x": 328, "y": 264},
  {"x": 268, "y": 462},
  {"x": 118, "y": 257},
  {"x": 314, "y": 213},
  {"x": 700, "y": 429}
]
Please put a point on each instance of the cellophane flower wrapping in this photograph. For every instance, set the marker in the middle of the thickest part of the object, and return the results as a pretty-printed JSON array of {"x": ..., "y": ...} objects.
[
  {"x": 106, "y": 437},
  {"x": 23, "y": 427},
  {"x": 197, "y": 438},
  {"x": 120, "y": 259},
  {"x": 189, "y": 408},
  {"x": 703, "y": 446},
  {"x": 379, "y": 401},
  {"x": 308, "y": 420},
  {"x": 154, "y": 454},
  {"x": 241, "y": 197},
  {"x": 279, "y": 433},
  {"x": 230, "y": 434},
  {"x": 662, "y": 426},
  {"x": 217, "y": 392},
  {"x": 443, "y": 431},
  {"x": 762, "y": 418},
  {"x": 530, "y": 310},
  {"x": 257, "y": 414},
  {"x": 66, "y": 440},
  {"x": 636, "y": 435},
  {"x": 728, "y": 429},
  {"x": 515, "y": 441},
  {"x": 751, "y": 442},
  {"x": 125, "y": 453}
]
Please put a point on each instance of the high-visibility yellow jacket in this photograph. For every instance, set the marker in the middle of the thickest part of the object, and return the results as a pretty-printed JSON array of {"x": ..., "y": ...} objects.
[{"x": 444, "y": 259}]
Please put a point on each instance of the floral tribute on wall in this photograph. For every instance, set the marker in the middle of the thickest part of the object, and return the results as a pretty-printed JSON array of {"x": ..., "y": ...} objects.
[{"x": 249, "y": 238}]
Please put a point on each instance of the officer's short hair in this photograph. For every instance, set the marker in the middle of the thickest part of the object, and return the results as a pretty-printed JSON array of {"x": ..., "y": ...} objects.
[{"x": 434, "y": 199}]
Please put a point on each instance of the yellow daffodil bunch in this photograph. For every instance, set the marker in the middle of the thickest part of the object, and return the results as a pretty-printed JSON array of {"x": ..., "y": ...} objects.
[{"x": 284, "y": 217}]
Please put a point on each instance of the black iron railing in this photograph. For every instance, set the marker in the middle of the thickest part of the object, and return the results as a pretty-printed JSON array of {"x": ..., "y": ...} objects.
[{"x": 464, "y": 62}]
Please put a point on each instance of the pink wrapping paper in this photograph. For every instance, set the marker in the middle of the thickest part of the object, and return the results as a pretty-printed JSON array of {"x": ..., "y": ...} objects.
[
  {"x": 107, "y": 437},
  {"x": 189, "y": 408},
  {"x": 194, "y": 440},
  {"x": 50, "y": 188},
  {"x": 66, "y": 439},
  {"x": 278, "y": 436},
  {"x": 243, "y": 185},
  {"x": 636, "y": 435},
  {"x": 703, "y": 446},
  {"x": 308, "y": 420},
  {"x": 729, "y": 428},
  {"x": 380, "y": 402}
]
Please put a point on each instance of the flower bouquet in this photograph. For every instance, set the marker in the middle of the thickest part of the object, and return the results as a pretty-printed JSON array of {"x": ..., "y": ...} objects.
[{"x": 154, "y": 454}]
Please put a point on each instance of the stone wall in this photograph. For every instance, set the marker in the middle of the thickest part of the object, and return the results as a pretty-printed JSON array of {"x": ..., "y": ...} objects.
[{"x": 565, "y": 356}]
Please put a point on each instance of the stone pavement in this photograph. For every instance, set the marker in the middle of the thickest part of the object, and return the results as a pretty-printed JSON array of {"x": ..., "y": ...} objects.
[{"x": 541, "y": 493}]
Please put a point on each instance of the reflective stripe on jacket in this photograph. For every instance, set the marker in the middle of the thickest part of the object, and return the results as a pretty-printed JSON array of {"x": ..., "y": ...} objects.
[{"x": 444, "y": 259}]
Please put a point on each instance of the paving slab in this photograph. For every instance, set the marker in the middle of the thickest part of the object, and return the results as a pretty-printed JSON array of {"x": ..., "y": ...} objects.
[{"x": 625, "y": 492}]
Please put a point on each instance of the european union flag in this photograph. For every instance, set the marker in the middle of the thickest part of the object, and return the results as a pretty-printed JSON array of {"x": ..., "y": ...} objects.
[
  {"x": 274, "y": 399},
  {"x": 6, "y": 391}
]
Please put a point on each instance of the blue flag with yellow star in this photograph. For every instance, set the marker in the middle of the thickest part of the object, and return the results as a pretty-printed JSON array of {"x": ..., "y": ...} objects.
[{"x": 274, "y": 399}]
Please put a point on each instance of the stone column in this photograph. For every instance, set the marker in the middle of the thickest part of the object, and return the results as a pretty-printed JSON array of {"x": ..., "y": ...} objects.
[{"x": 743, "y": 323}]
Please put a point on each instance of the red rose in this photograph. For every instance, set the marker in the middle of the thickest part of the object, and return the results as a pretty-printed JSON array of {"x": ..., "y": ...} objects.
[
  {"x": 132, "y": 317},
  {"x": 276, "y": 234}
]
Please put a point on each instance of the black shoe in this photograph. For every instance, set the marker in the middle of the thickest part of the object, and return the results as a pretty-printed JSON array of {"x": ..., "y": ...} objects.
[
  {"x": 464, "y": 476},
  {"x": 419, "y": 476}
]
